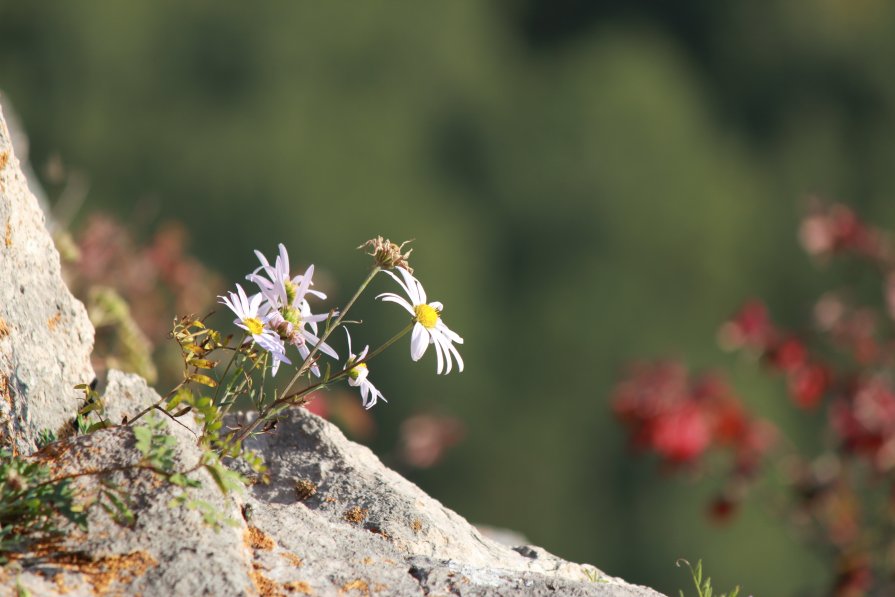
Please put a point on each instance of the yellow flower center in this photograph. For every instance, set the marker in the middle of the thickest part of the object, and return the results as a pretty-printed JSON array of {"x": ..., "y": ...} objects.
[
  {"x": 292, "y": 315},
  {"x": 357, "y": 370},
  {"x": 290, "y": 291},
  {"x": 254, "y": 325},
  {"x": 426, "y": 315}
]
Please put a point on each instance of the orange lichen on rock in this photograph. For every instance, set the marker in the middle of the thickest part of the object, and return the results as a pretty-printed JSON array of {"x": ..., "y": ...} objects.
[
  {"x": 355, "y": 514},
  {"x": 4, "y": 328},
  {"x": 298, "y": 586},
  {"x": 416, "y": 526},
  {"x": 4, "y": 158},
  {"x": 54, "y": 321},
  {"x": 356, "y": 585},
  {"x": 256, "y": 539},
  {"x": 59, "y": 581},
  {"x": 292, "y": 558},
  {"x": 4, "y": 389},
  {"x": 105, "y": 572},
  {"x": 265, "y": 586},
  {"x": 7, "y": 238}
]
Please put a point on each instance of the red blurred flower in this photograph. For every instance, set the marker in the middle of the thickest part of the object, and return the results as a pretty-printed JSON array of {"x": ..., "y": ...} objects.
[
  {"x": 788, "y": 355},
  {"x": 808, "y": 384},
  {"x": 864, "y": 419},
  {"x": 682, "y": 435},
  {"x": 749, "y": 328}
]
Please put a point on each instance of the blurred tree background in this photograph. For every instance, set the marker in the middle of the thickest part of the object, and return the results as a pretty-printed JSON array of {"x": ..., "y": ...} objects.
[{"x": 588, "y": 182}]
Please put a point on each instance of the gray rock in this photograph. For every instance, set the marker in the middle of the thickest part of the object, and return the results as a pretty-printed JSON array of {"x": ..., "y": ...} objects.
[
  {"x": 168, "y": 551},
  {"x": 45, "y": 335},
  {"x": 353, "y": 522}
]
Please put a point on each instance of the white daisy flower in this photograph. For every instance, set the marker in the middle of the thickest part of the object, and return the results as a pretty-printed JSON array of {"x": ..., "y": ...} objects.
[
  {"x": 249, "y": 318},
  {"x": 287, "y": 305},
  {"x": 429, "y": 328},
  {"x": 278, "y": 286},
  {"x": 357, "y": 376}
]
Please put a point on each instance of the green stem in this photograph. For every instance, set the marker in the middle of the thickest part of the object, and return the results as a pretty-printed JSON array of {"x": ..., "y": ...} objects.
[
  {"x": 292, "y": 399},
  {"x": 330, "y": 329},
  {"x": 217, "y": 392}
]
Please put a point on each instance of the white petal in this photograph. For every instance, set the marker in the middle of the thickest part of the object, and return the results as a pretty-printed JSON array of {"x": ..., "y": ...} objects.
[
  {"x": 440, "y": 358},
  {"x": 243, "y": 299},
  {"x": 457, "y": 356},
  {"x": 437, "y": 306},
  {"x": 322, "y": 346},
  {"x": 453, "y": 336},
  {"x": 349, "y": 340},
  {"x": 305, "y": 282},
  {"x": 419, "y": 340},
  {"x": 420, "y": 293},
  {"x": 285, "y": 259},
  {"x": 411, "y": 292},
  {"x": 262, "y": 259},
  {"x": 394, "y": 298},
  {"x": 414, "y": 288}
]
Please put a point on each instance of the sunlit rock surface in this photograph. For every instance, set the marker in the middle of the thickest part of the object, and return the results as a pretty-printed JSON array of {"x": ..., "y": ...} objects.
[{"x": 45, "y": 335}]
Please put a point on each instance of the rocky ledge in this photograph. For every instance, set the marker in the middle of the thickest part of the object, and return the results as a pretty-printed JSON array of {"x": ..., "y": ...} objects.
[{"x": 333, "y": 520}]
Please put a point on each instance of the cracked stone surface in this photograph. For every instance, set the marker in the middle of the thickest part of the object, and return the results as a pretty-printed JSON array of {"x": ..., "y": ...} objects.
[{"x": 45, "y": 335}]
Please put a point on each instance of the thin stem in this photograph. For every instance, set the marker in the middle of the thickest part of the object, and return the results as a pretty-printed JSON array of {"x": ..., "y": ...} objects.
[
  {"x": 295, "y": 397},
  {"x": 330, "y": 329},
  {"x": 158, "y": 403},
  {"x": 227, "y": 368},
  {"x": 388, "y": 343}
]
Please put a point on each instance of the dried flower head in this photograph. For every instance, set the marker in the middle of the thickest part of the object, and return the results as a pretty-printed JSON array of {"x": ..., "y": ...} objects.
[
  {"x": 305, "y": 488},
  {"x": 387, "y": 254}
]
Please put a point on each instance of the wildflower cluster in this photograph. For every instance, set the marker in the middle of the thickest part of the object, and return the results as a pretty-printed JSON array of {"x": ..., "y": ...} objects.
[
  {"x": 840, "y": 498},
  {"x": 279, "y": 316},
  {"x": 280, "y": 323}
]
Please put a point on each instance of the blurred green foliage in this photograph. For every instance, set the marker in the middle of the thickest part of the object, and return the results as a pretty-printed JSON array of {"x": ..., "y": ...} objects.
[{"x": 587, "y": 183}]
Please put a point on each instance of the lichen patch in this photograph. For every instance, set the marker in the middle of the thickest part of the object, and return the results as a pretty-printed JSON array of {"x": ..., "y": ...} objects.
[
  {"x": 298, "y": 586},
  {"x": 355, "y": 514},
  {"x": 104, "y": 573},
  {"x": 265, "y": 586},
  {"x": 305, "y": 488},
  {"x": 257, "y": 539},
  {"x": 356, "y": 585}
]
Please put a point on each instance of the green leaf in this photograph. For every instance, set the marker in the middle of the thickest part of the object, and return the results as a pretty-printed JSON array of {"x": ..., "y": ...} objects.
[
  {"x": 203, "y": 379},
  {"x": 143, "y": 434},
  {"x": 202, "y": 363}
]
